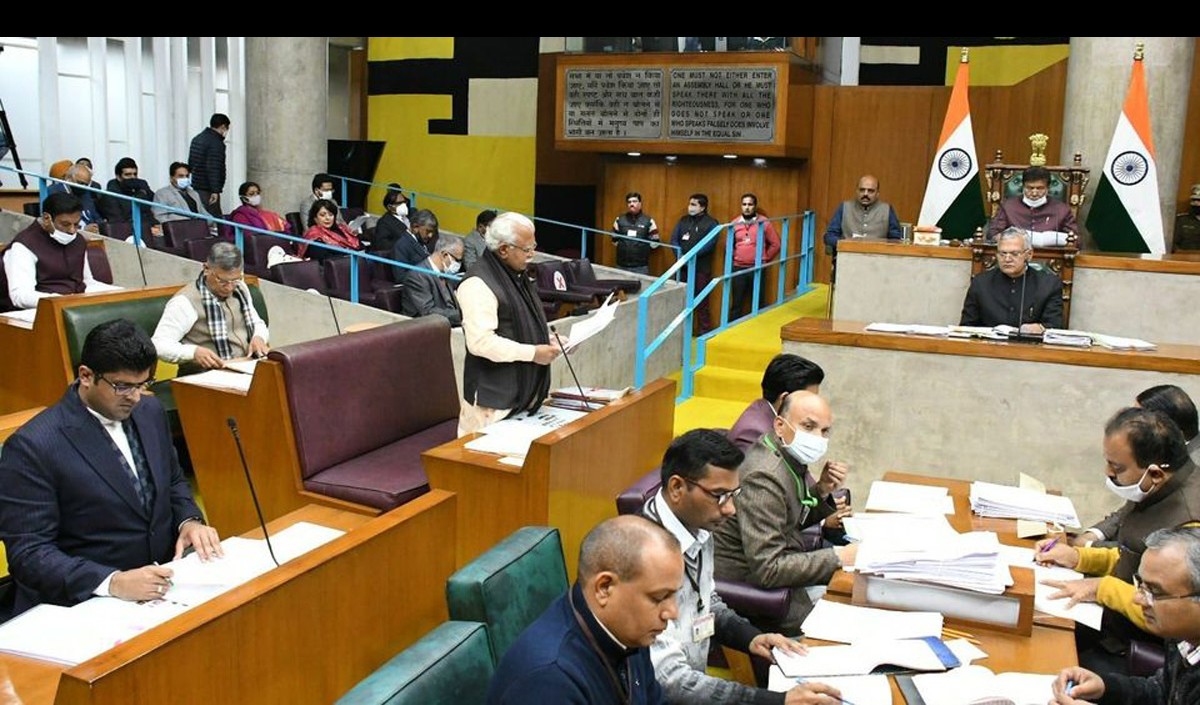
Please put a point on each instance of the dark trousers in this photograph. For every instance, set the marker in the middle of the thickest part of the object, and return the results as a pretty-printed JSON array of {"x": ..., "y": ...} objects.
[
  {"x": 703, "y": 318},
  {"x": 743, "y": 287},
  {"x": 214, "y": 208}
]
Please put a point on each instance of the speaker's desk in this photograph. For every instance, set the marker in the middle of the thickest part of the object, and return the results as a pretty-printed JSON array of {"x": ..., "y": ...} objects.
[
  {"x": 570, "y": 479},
  {"x": 303, "y": 633}
]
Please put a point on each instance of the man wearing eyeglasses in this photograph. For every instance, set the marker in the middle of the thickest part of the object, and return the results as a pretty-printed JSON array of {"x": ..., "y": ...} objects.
[
  {"x": 213, "y": 319},
  {"x": 1168, "y": 591},
  {"x": 92, "y": 497},
  {"x": 763, "y": 543},
  {"x": 699, "y": 484},
  {"x": 1013, "y": 293}
]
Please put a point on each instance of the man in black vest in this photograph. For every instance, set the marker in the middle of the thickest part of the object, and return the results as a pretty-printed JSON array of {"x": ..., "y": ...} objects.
[
  {"x": 508, "y": 341},
  {"x": 640, "y": 235},
  {"x": 49, "y": 258}
]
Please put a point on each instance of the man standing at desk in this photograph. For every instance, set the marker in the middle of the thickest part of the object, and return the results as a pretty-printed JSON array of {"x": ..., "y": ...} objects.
[
  {"x": 212, "y": 319},
  {"x": 763, "y": 543},
  {"x": 507, "y": 367},
  {"x": 1034, "y": 210},
  {"x": 92, "y": 497},
  {"x": 865, "y": 217},
  {"x": 1167, "y": 585},
  {"x": 1013, "y": 293}
]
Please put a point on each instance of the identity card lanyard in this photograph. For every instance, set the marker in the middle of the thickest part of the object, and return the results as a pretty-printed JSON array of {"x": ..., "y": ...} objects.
[
  {"x": 806, "y": 497},
  {"x": 622, "y": 694}
]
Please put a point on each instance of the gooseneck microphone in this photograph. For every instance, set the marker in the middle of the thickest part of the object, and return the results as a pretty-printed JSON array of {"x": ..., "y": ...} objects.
[
  {"x": 237, "y": 438},
  {"x": 587, "y": 406}
]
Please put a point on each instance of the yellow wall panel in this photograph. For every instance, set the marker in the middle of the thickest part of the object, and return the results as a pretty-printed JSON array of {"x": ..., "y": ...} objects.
[{"x": 396, "y": 48}]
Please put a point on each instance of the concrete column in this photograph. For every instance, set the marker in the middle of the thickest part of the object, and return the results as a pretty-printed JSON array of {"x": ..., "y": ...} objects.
[
  {"x": 287, "y": 89},
  {"x": 1097, "y": 79}
]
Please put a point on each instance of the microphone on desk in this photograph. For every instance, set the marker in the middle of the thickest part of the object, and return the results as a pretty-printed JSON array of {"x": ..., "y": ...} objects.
[
  {"x": 237, "y": 438},
  {"x": 587, "y": 406}
]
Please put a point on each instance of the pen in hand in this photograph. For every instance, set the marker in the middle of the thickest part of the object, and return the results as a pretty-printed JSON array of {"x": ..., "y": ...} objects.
[{"x": 1052, "y": 544}]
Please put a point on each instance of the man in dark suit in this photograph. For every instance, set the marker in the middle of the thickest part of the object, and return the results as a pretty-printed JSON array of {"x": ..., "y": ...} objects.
[
  {"x": 427, "y": 294},
  {"x": 414, "y": 247},
  {"x": 92, "y": 497}
]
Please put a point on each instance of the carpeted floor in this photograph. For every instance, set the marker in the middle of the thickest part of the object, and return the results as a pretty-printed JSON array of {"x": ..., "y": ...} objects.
[{"x": 736, "y": 358}]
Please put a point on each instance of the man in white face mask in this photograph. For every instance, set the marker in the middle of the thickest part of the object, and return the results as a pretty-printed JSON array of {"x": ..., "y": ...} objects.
[
  {"x": 1147, "y": 465},
  {"x": 762, "y": 544},
  {"x": 428, "y": 294},
  {"x": 49, "y": 258},
  {"x": 1033, "y": 210}
]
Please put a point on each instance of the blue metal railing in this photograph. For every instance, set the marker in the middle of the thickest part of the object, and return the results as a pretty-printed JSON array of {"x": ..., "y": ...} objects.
[
  {"x": 804, "y": 254},
  {"x": 584, "y": 231},
  {"x": 239, "y": 229}
]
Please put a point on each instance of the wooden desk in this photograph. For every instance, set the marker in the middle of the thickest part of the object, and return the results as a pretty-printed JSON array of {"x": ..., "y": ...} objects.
[
  {"x": 303, "y": 633},
  {"x": 1143, "y": 296},
  {"x": 975, "y": 409},
  {"x": 571, "y": 477},
  {"x": 265, "y": 425},
  {"x": 9, "y": 423},
  {"x": 1049, "y": 649}
]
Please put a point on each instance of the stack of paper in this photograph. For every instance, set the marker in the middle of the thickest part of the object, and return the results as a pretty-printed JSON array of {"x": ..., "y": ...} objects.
[
  {"x": 850, "y": 624},
  {"x": 975, "y": 684},
  {"x": 1114, "y": 342},
  {"x": 909, "y": 499},
  {"x": 908, "y": 529},
  {"x": 1071, "y": 338},
  {"x": 928, "y": 654},
  {"x": 514, "y": 435},
  {"x": 1007, "y": 502},
  {"x": 220, "y": 379},
  {"x": 22, "y": 318},
  {"x": 969, "y": 561}
]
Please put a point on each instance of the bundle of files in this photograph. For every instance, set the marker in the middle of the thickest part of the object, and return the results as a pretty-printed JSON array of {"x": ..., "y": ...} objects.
[
  {"x": 1007, "y": 502},
  {"x": 969, "y": 561}
]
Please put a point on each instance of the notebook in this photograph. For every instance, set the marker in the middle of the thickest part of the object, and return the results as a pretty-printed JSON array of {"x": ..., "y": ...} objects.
[{"x": 927, "y": 654}]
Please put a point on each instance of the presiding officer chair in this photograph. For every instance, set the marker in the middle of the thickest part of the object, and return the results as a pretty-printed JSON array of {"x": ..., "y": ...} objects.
[{"x": 510, "y": 585}]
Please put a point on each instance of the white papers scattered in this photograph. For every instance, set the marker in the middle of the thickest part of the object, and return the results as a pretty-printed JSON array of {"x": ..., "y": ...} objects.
[
  {"x": 513, "y": 436},
  {"x": 977, "y": 332},
  {"x": 72, "y": 635},
  {"x": 965, "y": 651},
  {"x": 859, "y": 659},
  {"x": 22, "y": 318},
  {"x": 910, "y": 499},
  {"x": 855, "y": 689},
  {"x": 1089, "y": 613},
  {"x": 1007, "y": 502},
  {"x": 976, "y": 684},
  {"x": 220, "y": 379},
  {"x": 1114, "y": 342},
  {"x": 969, "y": 561},
  {"x": 899, "y": 529},
  {"x": 593, "y": 324},
  {"x": 850, "y": 624},
  {"x": 1069, "y": 338}
]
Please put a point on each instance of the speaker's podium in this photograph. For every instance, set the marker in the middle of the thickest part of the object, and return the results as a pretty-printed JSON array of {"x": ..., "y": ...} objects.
[
  {"x": 570, "y": 479},
  {"x": 305, "y": 632}
]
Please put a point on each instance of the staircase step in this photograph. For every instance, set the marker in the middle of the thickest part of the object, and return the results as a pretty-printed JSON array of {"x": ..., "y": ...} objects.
[
  {"x": 705, "y": 412},
  {"x": 728, "y": 383}
]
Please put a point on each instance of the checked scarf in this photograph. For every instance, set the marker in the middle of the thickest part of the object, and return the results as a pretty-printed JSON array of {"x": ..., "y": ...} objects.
[{"x": 218, "y": 327}]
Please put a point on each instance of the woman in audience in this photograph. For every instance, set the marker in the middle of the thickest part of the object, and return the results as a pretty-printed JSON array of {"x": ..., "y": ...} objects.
[
  {"x": 323, "y": 227},
  {"x": 253, "y": 214}
]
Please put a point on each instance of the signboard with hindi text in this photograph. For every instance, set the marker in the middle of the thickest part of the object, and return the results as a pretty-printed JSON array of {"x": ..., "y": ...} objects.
[{"x": 613, "y": 103}]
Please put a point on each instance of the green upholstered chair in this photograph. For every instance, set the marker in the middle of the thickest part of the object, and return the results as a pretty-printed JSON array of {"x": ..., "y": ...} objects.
[
  {"x": 510, "y": 585},
  {"x": 452, "y": 664}
]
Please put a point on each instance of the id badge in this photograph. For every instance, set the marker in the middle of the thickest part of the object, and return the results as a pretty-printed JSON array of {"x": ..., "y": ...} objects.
[
  {"x": 703, "y": 627},
  {"x": 686, "y": 236}
]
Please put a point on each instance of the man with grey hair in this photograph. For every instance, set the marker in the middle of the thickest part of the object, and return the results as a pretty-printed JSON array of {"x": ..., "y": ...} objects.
[
  {"x": 1167, "y": 587},
  {"x": 506, "y": 370},
  {"x": 591, "y": 644},
  {"x": 414, "y": 246},
  {"x": 425, "y": 293},
  {"x": 212, "y": 319},
  {"x": 80, "y": 175},
  {"x": 1014, "y": 293}
]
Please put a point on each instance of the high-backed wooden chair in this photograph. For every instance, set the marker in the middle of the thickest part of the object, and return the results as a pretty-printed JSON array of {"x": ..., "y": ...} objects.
[{"x": 1060, "y": 260}]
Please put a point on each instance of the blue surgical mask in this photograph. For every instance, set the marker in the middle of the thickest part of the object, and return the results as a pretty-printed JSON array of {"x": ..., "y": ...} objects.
[{"x": 184, "y": 183}]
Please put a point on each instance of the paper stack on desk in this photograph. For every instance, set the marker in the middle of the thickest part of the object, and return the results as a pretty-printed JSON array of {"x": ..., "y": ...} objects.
[
  {"x": 928, "y": 654},
  {"x": 850, "y": 624},
  {"x": 969, "y": 561},
  {"x": 909, "y": 499},
  {"x": 1007, "y": 502}
]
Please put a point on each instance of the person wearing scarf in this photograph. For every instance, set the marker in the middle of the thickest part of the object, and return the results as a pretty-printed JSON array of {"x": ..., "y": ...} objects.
[
  {"x": 252, "y": 213},
  {"x": 509, "y": 351},
  {"x": 323, "y": 227},
  {"x": 212, "y": 319}
]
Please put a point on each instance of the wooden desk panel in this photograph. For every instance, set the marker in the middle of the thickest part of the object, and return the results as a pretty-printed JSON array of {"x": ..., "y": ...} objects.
[
  {"x": 571, "y": 477},
  {"x": 304, "y": 633}
]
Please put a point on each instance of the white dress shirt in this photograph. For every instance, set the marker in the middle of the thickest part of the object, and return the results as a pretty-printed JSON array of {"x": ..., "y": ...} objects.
[
  {"x": 20, "y": 265},
  {"x": 178, "y": 318}
]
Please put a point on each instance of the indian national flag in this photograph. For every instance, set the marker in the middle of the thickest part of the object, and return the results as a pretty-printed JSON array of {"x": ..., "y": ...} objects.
[
  {"x": 953, "y": 199},
  {"x": 1125, "y": 215}
]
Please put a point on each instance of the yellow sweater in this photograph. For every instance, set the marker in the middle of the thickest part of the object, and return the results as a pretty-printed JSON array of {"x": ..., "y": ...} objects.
[{"x": 1113, "y": 593}]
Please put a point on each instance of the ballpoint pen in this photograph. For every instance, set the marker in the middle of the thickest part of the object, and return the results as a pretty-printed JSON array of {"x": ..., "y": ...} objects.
[{"x": 1052, "y": 544}]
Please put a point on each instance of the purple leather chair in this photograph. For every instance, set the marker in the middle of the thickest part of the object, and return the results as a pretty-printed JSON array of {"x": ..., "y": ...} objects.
[
  {"x": 178, "y": 232},
  {"x": 97, "y": 260},
  {"x": 580, "y": 273},
  {"x": 373, "y": 290},
  {"x": 257, "y": 245},
  {"x": 550, "y": 287},
  {"x": 747, "y": 600},
  {"x": 300, "y": 275},
  {"x": 405, "y": 401}
]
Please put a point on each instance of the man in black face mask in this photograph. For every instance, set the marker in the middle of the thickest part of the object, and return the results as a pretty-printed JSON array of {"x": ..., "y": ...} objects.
[
  {"x": 1187, "y": 225},
  {"x": 127, "y": 183}
]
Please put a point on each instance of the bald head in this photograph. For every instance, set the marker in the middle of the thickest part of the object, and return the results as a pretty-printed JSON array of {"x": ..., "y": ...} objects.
[
  {"x": 803, "y": 411},
  {"x": 617, "y": 545},
  {"x": 868, "y": 190}
]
